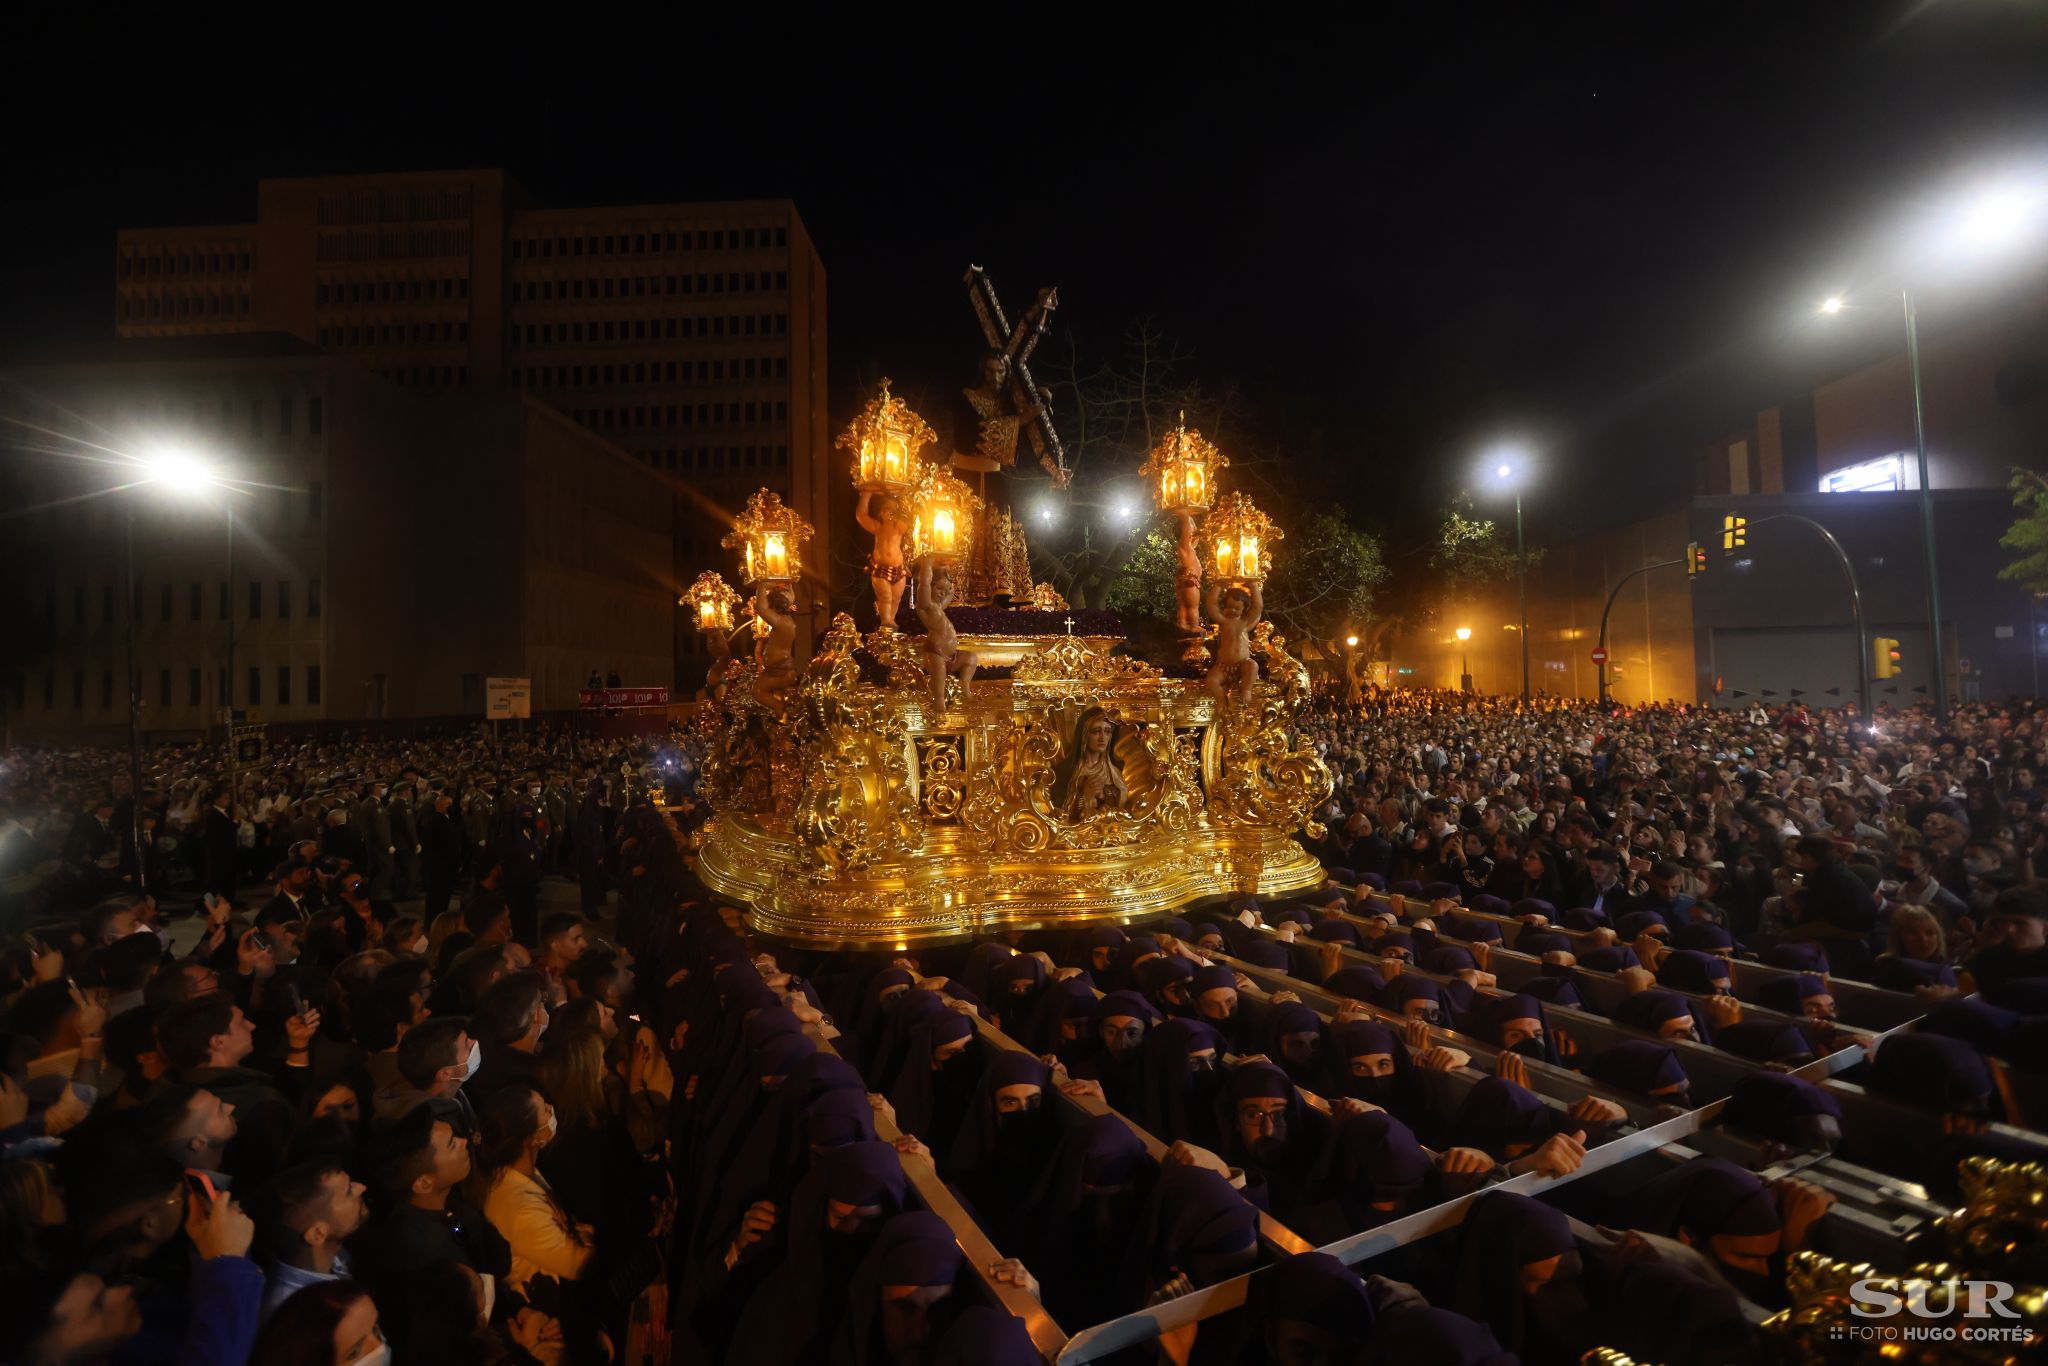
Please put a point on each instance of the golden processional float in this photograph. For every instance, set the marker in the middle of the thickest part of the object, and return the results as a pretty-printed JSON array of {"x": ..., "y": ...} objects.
[{"x": 989, "y": 759}]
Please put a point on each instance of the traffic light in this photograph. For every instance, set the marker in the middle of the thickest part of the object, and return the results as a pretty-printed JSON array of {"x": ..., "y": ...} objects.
[
  {"x": 1884, "y": 657},
  {"x": 1695, "y": 558},
  {"x": 1734, "y": 533}
]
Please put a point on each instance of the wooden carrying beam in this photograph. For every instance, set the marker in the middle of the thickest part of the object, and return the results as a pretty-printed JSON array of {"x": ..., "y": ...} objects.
[
  {"x": 981, "y": 1254},
  {"x": 1271, "y": 1229}
]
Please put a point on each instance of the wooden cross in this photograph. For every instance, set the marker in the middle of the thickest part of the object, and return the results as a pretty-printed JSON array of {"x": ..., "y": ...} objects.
[{"x": 1015, "y": 345}]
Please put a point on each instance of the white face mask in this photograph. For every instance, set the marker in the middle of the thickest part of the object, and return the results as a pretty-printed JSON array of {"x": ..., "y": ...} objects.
[
  {"x": 475, "y": 1060},
  {"x": 548, "y": 1130},
  {"x": 419, "y": 945},
  {"x": 490, "y": 1295},
  {"x": 380, "y": 1357}
]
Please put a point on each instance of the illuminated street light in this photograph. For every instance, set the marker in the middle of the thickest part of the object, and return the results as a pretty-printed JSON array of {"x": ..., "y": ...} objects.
[
  {"x": 1352, "y": 641},
  {"x": 1464, "y": 633},
  {"x": 1508, "y": 471},
  {"x": 184, "y": 477},
  {"x": 1989, "y": 223},
  {"x": 1048, "y": 512}
]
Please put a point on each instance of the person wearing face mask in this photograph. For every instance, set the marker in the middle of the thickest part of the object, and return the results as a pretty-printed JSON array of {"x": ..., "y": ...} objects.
[
  {"x": 1744, "y": 1227},
  {"x": 1520, "y": 1272},
  {"x": 509, "y": 1021},
  {"x": 1193, "y": 1230},
  {"x": 1373, "y": 1170},
  {"x": 1118, "y": 1023},
  {"x": 1665, "y": 1014},
  {"x": 1004, "y": 1142},
  {"x": 938, "y": 1076},
  {"x": 904, "y": 1295},
  {"x": 837, "y": 1213},
  {"x": 1179, "y": 1072},
  {"x": 433, "y": 1060},
  {"x": 1294, "y": 1040},
  {"x": 550, "y": 1251}
]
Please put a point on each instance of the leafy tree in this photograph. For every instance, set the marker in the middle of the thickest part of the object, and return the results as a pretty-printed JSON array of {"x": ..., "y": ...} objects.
[
  {"x": 1469, "y": 552},
  {"x": 2027, "y": 537}
]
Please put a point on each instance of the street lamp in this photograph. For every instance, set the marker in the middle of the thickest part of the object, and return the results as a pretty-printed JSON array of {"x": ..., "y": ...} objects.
[
  {"x": 182, "y": 477},
  {"x": 1464, "y": 634},
  {"x": 1994, "y": 220},
  {"x": 1507, "y": 470}
]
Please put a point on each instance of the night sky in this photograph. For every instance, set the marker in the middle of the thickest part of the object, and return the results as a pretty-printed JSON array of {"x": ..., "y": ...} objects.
[{"x": 1599, "y": 228}]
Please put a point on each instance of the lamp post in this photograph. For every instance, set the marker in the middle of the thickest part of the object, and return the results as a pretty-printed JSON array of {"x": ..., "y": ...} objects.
[
  {"x": 1506, "y": 472},
  {"x": 1992, "y": 221},
  {"x": 1353, "y": 694},
  {"x": 181, "y": 476},
  {"x": 1464, "y": 660},
  {"x": 1930, "y": 570}
]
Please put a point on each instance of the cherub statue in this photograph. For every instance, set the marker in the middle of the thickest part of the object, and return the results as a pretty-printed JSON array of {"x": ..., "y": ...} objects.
[
  {"x": 883, "y": 516},
  {"x": 1187, "y": 584},
  {"x": 721, "y": 662},
  {"x": 942, "y": 652},
  {"x": 774, "y": 651},
  {"x": 1235, "y": 612}
]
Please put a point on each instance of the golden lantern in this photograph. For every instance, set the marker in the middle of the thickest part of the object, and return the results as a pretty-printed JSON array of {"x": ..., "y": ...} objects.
[
  {"x": 770, "y": 538},
  {"x": 711, "y": 599},
  {"x": 1240, "y": 538},
  {"x": 1182, "y": 471},
  {"x": 944, "y": 513},
  {"x": 885, "y": 440}
]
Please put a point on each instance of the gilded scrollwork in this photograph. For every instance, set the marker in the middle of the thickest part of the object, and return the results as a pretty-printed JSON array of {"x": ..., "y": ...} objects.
[{"x": 1081, "y": 787}]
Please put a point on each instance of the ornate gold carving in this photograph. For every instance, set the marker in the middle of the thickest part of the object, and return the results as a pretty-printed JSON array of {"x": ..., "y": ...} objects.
[
  {"x": 1046, "y": 598},
  {"x": 1818, "y": 1326},
  {"x": 942, "y": 777}
]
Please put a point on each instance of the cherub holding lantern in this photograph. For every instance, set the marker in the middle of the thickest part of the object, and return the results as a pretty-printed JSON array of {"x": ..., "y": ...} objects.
[
  {"x": 883, "y": 515},
  {"x": 774, "y": 649},
  {"x": 1235, "y": 610}
]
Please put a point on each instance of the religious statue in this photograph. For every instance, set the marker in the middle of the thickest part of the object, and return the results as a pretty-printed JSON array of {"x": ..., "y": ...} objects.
[
  {"x": 1235, "y": 611},
  {"x": 774, "y": 649},
  {"x": 884, "y": 517},
  {"x": 942, "y": 652},
  {"x": 1187, "y": 584},
  {"x": 1090, "y": 780},
  {"x": 721, "y": 662}
]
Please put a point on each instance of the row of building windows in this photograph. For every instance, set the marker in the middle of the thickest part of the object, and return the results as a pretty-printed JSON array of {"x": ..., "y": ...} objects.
[
  {"x": 636, "y": 418},
  {"x": 156, "y": 265},
  {"x": 393, "y": 206},
  {"x": 413, "y": 289},
  {"x": 653, "y": 329},
  {"x": 644, "y": 243},
  {"x": 392, "y": 244},
  {"x": 652, "y": 372},
  {"x": 641, "y": 286},
  {"x": 193, "y": 596},
  {"x": 424, "y": 376},
  {"x": 281, "y": 695},
  {"x": 716, "y": 459},
  {"x": 154, "y": 308},
  {"x": 396, "y": 334}
]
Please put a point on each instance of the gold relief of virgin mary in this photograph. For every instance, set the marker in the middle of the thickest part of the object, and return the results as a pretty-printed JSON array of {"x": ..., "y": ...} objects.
[{"x": 1105, "y": 770}]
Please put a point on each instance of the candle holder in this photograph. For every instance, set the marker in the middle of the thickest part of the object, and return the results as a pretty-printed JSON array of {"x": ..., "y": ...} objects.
[
  {"x": 770, "y": 538},
  {"x": 1239, "y": 540},
  {"x": 1182, "y": 471},
  {"x": 711, "y": 601},
  {"x": 944, "y": 515},
  {"x": 885, "y": 440}
]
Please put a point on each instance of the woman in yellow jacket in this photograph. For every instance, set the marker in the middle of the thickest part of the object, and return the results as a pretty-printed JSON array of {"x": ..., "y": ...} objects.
[{"x": 551, "y": 1253}]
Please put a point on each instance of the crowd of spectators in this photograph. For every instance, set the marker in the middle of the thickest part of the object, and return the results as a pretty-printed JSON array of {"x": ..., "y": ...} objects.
[{"x": 540, "y": 1097}]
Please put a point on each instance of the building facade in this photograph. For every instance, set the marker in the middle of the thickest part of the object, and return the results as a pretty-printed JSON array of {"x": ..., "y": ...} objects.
[
  {"x": 376, "y": 555},
  {"x": 691, "y": 336}
]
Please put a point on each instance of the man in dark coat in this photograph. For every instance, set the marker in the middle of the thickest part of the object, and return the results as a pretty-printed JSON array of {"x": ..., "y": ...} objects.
[
  {"x": 221, "y": 843},
  {"x": 441, "y": 850}
]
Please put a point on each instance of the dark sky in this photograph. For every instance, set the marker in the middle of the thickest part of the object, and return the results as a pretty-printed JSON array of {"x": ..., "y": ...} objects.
[{"x": 1595, "y": 226}]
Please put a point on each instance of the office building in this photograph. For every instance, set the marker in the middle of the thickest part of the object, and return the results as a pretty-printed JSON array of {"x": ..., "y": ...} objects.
[
  {"x": 690, "y": 335},
  {"x": 388, "y": 550}
]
